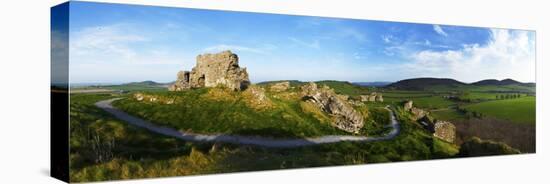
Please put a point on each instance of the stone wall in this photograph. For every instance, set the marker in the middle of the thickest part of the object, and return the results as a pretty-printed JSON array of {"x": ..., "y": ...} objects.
[
  {"x": 211, "y": 70},
  {"x": 182, "y": 82}
]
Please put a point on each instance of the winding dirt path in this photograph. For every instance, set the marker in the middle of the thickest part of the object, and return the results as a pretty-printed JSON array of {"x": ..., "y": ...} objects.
[{"x": 250, "y": 140}]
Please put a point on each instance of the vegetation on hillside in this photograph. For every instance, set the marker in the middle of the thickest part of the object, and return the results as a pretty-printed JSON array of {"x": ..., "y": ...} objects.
[{"x": 105, "y": 148}]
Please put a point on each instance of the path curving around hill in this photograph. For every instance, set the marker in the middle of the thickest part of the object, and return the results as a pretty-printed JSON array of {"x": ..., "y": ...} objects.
[{"x": 248, "y": 140}]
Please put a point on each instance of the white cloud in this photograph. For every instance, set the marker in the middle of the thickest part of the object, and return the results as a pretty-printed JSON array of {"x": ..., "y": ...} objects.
[
  {"x": 508, "y": 54},
  {"x": 388, "y": 39},
  {"x": 234, "y": 48},
  {"x": 121, "y": 53},
  {"x": 314, "y": 44},
  {"x": 439, "y": 30},
  {"x": 112, "y": 40},
  {"x": 353, "y": 33}
]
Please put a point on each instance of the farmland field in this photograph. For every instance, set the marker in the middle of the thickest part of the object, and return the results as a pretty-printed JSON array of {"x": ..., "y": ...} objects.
[{"x": 520, "y": 110}]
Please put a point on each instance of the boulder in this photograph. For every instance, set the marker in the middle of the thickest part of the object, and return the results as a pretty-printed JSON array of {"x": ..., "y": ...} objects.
[
  {"x": 364, "y": 98},
  {"x": 408, "y": 105},
  {"x": 345, "y": 117},
  {"x": 418, "y": 113},
  {"x": 372, "y": 98},
  {"x": 280, "y": 86},
  {"x": 153, "y": 98},
  {"x": 444, "y": 130},
  {"x": 256, "y": 98},
  {"x": 379, "y": 98}
]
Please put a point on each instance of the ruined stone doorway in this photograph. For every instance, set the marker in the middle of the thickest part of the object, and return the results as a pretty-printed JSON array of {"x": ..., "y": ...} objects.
[{"x": 201, "y": 80}]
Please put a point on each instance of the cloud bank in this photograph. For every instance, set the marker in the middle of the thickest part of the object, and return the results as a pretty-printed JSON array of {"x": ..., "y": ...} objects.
[{"x": 507, "y": 54}]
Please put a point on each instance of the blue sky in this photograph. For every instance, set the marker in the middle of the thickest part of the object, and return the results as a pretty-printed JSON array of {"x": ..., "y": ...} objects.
[{"x": 114, "y": 43}]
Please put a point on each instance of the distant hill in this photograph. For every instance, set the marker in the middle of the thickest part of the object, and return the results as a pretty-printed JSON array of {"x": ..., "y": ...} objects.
[
  {"x": 424, "y": 83},
  {"x": 292, "y": 82},
  {"x": 494, "y": 82},
  {"x": 438, "y": 84},
  {"x": 147, "y": 83},
  {"x": 372, "y": 84},
  {"x": 140, "y": 86}
]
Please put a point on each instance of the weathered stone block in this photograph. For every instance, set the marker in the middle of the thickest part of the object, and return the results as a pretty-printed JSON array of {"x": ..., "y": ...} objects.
[{"x": 345, "y": 117}]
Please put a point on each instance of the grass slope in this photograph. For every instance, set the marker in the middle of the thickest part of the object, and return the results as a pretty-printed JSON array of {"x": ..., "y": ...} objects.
[
  {"x": 222, "y": 111},
  {"x": 520, "y": 110},
  {"x": 129, "y": 152}
]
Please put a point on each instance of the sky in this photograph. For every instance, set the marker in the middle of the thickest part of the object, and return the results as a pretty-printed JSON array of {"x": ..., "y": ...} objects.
[{"x": 113, "y": 43}]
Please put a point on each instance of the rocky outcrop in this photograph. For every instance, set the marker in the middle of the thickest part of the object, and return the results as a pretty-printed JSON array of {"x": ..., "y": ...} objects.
[
  {"x": 379, "y": 98},
  {"x": 280, "y": 86},
  {"x": 441, "y": 129},
  {"x": 153, "y": 98},
  {"x": 211, "y": 70},
  {"x": 344, "y": 116},
  {"x": 416, "y": 113},
  {"x": 444, "y": 130},
  {"x": 256, "y": 98},
  {"x": 408, "y": 105},
  {"x": 373, "y": 97}
]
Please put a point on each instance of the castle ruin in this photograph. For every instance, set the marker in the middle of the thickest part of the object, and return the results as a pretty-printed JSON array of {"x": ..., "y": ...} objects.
[{"x": 211, "y": 70}]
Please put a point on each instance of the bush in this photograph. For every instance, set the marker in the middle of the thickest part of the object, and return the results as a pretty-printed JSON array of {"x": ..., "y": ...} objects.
[{"x": 477, "y": 147}]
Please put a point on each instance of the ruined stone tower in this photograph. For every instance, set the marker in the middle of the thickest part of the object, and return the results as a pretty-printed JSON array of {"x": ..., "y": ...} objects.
[{"x": 211, "y": 70}]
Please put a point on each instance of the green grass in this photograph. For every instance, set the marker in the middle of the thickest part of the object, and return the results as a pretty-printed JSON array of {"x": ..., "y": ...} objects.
[
  {"x": 520, "y": 110},
  {"x": 125, "y": 151},
  {"x": 202, "y": 112},
  {"x": 130, "y": 152},
  {"x": 377, "y": 123},
  {"x": 345, "y": 88},
  {"x": 485, "y": 88},
  {"x": 432, "y": 102},
  {"x": 481, "y": 96},
  {"x": 405, "y": 94},
  {"x": 447, "y": 115},
  {"x": 138, "y": 153}
]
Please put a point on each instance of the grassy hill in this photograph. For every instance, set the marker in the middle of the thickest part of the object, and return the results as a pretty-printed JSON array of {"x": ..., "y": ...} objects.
[
  {"x": 129, "y": 152},
  {"x": 140, "y": 86},
  {"x": 425, "y": 84},
  {"x": 446, "y": 85},
  {"x": 216, "y": 110}
]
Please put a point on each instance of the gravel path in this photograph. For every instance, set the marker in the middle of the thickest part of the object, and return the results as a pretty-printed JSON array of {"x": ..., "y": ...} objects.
[{"x": 250, "y": 140}]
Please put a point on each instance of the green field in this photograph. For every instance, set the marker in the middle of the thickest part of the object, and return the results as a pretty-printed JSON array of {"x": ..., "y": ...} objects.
[
  {"x": 432, "y": 102},
  {"x": 137, "y": 87},
  {"x": 345, "y": 88},
  {"x": 128, "y": 152},
  {"x": 520, "y": 110},
  {"x": 447, "y": 114}
]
